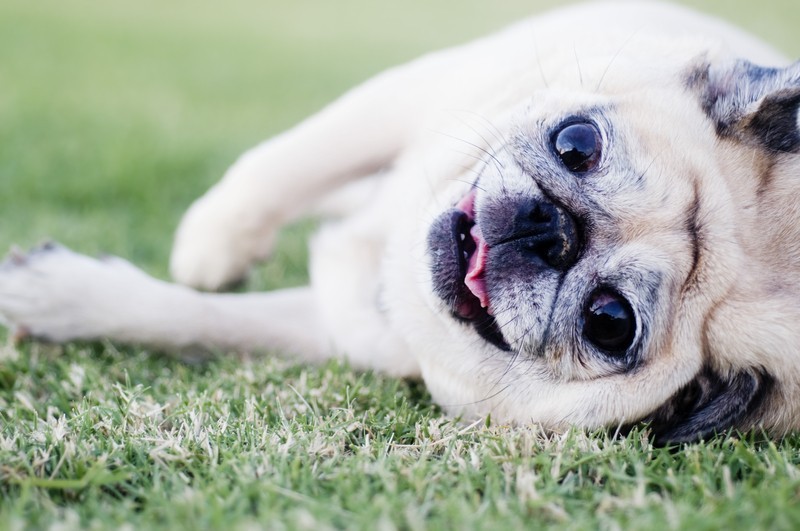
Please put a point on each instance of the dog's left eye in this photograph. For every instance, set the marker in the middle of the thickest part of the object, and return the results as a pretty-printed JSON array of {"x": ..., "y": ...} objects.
[
  {"x": 609, "y": 322},
  {"x": 578, "y": 146}
]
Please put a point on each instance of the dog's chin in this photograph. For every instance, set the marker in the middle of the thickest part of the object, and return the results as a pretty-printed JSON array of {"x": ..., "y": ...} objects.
[{"x": 458, "y": 266}]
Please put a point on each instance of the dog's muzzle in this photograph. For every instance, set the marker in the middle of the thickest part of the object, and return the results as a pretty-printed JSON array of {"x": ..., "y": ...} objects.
[{"x": 539, "y": 233}]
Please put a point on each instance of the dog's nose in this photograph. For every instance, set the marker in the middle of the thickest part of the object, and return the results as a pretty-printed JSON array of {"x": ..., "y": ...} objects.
[{"x": 543, "y": 230}]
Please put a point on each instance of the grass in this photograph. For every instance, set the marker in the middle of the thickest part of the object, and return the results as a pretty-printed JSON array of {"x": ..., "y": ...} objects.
[{"x": 113, "y": 117}]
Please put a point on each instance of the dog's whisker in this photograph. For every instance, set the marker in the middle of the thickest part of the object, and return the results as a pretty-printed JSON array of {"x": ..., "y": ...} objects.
[
  {"x": 577, "y": 62},
  {"x": 473, "y": 184},
  {"x": 647, "y": 169},
  {"x": 483, "y": 162},
  {"x": 469, "y": 169},
  {"x": 491, "y": 127},
  {"x": 614, "y": 58},
  {"x": 538, "y": 57},
  {"x": 480, "y": 148}
]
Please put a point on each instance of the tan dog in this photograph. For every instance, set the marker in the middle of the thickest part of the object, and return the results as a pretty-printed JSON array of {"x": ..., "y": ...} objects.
[{"x": 588, "y": 219}]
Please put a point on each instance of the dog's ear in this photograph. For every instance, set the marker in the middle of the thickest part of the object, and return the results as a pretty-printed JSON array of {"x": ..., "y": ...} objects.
[
  {"x": 751, "y": 103},
  {"x": 709, "y": 404}
]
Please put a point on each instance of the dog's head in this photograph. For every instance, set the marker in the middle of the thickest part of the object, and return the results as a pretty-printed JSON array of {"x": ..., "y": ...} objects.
[{"x": 632, "y": 255}]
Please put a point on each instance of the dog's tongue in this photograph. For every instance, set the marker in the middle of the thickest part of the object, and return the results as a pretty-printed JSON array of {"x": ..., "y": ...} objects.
[{"x": 476, "y": 267}]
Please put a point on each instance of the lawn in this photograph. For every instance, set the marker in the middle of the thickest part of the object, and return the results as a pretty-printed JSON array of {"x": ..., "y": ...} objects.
[{"x": 115, "y": 115}]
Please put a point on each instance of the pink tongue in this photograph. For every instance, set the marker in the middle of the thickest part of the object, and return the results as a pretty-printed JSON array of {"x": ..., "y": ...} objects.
[{"x": 475, "y": 268}]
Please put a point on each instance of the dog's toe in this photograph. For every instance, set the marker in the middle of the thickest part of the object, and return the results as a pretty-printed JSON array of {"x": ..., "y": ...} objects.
[
  {"x": 56, "y": 294},
  {"x": 16, "y": 257}
]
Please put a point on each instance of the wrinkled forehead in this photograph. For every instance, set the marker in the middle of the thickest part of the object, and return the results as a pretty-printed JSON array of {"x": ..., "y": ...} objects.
[{"x": 669, "y": 148}]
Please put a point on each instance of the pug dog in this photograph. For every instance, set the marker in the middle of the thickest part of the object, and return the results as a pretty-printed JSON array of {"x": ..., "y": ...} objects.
[{"x": 588, "y": 219}]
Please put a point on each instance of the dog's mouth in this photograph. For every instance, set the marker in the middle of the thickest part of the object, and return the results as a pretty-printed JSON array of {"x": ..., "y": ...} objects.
[
  {"x": 473, "y": 252},
  {"x": 460, "y": 258}
]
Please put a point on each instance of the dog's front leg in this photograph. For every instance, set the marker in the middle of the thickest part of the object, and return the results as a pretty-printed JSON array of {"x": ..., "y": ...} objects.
[
  {"x": 55, "y": 294},
  {"x": 235, "y": 222}
]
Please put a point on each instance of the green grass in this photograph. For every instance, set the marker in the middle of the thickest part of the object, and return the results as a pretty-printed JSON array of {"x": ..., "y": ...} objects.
[{"x": 113, "y": 117}]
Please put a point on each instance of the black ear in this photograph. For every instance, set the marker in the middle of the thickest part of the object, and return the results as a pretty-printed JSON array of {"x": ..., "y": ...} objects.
[
  {"x": 752, "y": 103},
  {"x": 709, "y": 404}
]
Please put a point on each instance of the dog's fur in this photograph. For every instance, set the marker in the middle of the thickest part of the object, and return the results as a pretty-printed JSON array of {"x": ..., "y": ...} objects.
[{"x": 687, "y": 224}]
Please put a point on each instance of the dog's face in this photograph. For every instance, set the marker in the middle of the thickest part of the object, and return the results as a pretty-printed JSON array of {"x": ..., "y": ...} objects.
[{"x": 595, "y": 266}]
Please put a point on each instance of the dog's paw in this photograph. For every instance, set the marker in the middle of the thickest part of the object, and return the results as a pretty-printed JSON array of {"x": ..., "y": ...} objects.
[
  {"x": 215, "y": 246},
  {"x": 54, "y": 294}
]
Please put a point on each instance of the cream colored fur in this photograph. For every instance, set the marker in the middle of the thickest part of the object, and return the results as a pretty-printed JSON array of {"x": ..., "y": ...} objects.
[{"x": 418, "y": 134}]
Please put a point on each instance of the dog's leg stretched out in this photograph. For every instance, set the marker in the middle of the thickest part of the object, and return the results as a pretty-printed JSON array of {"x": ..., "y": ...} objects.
[{"x": 55, "y": 294}]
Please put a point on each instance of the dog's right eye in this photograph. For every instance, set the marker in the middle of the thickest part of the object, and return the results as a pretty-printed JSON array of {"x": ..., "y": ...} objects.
[
  {"x": 609, "y": 322},
  {"x": 578, "y": 146}
]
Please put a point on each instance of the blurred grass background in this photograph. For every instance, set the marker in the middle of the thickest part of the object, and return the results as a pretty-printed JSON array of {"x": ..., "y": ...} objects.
[{"x": 114, "y": 116}]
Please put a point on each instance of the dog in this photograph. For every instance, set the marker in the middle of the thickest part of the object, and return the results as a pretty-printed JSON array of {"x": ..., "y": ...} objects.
[{"x": 588, "y": 219}]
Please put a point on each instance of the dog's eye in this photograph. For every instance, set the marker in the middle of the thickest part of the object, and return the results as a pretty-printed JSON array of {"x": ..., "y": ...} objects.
[
  {"x": 609, "y": 322},
  {"x": 578, "y": 146}
]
